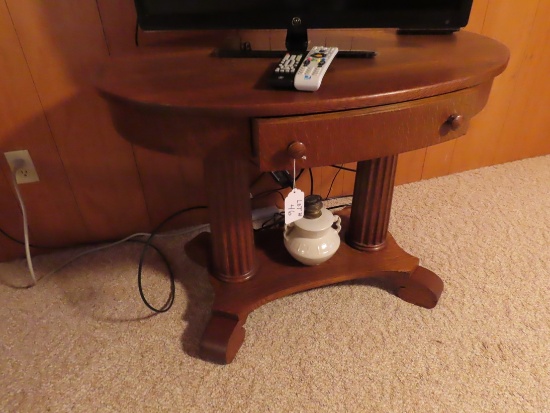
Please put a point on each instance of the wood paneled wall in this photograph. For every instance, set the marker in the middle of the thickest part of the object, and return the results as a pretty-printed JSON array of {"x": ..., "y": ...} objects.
[{"x": 94, "y": 185}]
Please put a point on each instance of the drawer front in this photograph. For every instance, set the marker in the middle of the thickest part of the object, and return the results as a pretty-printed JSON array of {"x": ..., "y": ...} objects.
[{"x": 361, "y": 134}]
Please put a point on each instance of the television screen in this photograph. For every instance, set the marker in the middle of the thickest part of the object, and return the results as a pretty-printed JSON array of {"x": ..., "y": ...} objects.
[{"x": 267, "y": 14}]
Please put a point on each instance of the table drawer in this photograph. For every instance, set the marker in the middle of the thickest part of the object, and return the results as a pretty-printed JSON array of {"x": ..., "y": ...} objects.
[{"x": 361, "y": 134}]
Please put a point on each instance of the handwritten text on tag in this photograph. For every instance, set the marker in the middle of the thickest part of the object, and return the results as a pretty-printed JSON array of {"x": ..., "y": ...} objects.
[{"x": 294, "y": 206}]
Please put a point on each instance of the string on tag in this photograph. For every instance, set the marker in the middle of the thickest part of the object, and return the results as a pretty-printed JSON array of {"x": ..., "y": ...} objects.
[
  {"x": 294, "y": 201},
  {"x": 294, "y": 175}
]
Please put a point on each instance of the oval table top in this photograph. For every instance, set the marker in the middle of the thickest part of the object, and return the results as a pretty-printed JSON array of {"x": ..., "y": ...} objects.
[{"x": 407, "y": 67}]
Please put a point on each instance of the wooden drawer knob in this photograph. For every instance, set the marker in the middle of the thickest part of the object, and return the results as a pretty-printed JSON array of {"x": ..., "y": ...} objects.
[
  {"x": 455, "y": 121},
  {"x": 297, "y": 150}
]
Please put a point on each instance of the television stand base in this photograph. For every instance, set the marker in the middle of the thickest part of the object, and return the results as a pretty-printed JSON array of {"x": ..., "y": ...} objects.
[
  {"x": 279, "y": 275},
  {"x": 246, "y": 53}
]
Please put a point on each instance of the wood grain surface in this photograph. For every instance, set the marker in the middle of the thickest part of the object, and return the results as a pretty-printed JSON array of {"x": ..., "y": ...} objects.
[{"x": 404, "y": 69}]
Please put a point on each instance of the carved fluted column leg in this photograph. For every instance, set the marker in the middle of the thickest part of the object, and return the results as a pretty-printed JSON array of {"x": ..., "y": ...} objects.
[
  {"x": 233, "y": 254},
  {"x": 368, "y": 230},
  {"x": 372, "y": 198}
]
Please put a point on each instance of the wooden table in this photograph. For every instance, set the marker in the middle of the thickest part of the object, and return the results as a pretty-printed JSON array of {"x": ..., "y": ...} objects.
[{"x": 419, "y": 91}]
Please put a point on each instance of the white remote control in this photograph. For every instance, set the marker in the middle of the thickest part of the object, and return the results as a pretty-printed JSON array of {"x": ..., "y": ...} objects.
[{"x": 310, "y": 73}]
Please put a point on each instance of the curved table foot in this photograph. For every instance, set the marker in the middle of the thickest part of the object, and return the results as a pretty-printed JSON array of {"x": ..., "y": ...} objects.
[
  {"x": 422, "y": 287},
  {"x": 222, "y": 338}
]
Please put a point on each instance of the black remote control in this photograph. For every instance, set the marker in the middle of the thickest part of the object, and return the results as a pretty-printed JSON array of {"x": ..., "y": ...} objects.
[{"x": 283, "y": 75}]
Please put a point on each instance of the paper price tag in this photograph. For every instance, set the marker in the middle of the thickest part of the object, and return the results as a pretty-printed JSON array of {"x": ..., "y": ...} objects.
[{"x": 294, "y": 206}]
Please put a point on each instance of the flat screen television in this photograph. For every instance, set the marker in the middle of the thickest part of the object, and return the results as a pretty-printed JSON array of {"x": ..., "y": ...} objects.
[
  {"x": 297, "y": 16},
  {"x": 269, "y": 14}
]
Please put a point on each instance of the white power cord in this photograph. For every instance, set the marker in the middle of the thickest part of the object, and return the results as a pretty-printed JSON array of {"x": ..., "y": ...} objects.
[
  {"x": 106, "y": 246},
  {"x": 70, "y": 260},
  {"x": 25, "y": 227}
]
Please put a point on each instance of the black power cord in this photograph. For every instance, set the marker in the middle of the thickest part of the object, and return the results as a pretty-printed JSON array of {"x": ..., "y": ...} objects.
[
  {"x": 168, "y": 304},
  {"x": 269, "y": 192},
  {"x": 343, "y": 168},
  {"x": 334, "y": 179},
  {"x": 4, "y": 233},
  {"x": 170, "y": 301}
]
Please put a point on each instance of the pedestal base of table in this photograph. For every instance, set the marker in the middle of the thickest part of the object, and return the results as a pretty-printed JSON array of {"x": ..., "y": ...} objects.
[{"x": 280, "y": 275}]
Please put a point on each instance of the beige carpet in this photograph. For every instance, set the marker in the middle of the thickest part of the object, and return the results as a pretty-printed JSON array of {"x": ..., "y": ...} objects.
[{"x": 82, "y": 341}]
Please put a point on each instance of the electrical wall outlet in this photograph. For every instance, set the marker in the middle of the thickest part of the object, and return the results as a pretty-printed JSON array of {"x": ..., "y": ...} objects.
[{"x": 22, "y": 165}]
